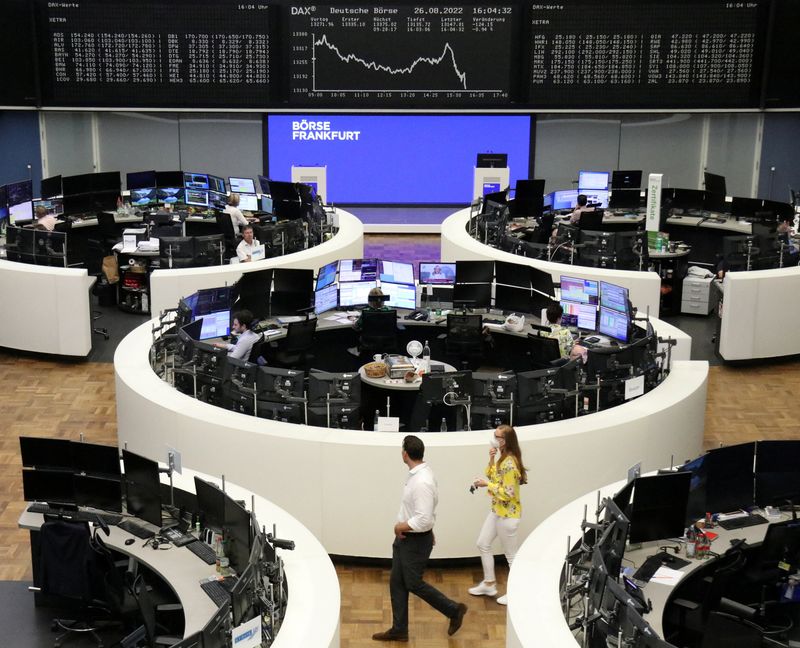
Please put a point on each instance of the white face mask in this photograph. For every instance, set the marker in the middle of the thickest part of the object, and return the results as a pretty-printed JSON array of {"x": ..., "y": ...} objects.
[{"x": 494, "y": 442}]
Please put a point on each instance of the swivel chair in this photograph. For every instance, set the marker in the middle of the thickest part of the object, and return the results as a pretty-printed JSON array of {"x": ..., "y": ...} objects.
[
  {"x": 149, "y": 611},
  {"x": 544, "y": 351},
  {"x": 293, "y": 352},
  {"x": 464, "y": 341},
  {"x": 591, "y": 220},
  {"x": 378, "y": 332},
  {"x": 107, "y": 229}
]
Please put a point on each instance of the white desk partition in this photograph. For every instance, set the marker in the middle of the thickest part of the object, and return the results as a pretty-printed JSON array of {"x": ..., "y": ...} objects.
[
  {"x": 168, "y": 286},
  {"x": 45, "y": 310},
  {"x": 760, "y": 314},
  {"x": 457, "y": 244},
  {"x": 345, "y": 485}
]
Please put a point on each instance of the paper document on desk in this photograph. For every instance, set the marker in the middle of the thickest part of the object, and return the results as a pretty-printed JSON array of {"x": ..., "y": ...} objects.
[
  {"x": 667, "y": 576},
  {"x": 288, "y": 319}
]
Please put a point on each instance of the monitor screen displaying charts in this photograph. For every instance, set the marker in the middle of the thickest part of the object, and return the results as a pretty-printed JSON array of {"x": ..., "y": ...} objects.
[
  {"x": 613, "y": 324},
  {"x": 248, "y": 202},
  {"x": 215, "y": 325},
  {"x": 355, "y": 293},
  {"x": 358, "y": 270},
  {"x": 584, "y": 316},
  {"x": 592, "y": 180},
  {"x": 242, "y": 185},
  {"x": 397, "y": 272},
  {"x": 574, "y": 289},
  {"x": 326, "y": 299},
  {"x": 400, "y": 295}
]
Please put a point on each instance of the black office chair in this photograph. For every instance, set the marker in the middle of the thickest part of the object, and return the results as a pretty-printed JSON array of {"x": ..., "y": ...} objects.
[
  {"x": 728, "y": 631},
  {"x": 293, "y": 352},
  {"x": 464, "y": 341},
  {"x": 225, "y": 225},
  {"x": 149, "y": 613},
  {"x": 378, "y": 332},
  {"x": 107, "y": 229},
  {"x": 544, "y": 351},
  {"x": 68, "y": 575},
  {"x": 591, "y": 220}
]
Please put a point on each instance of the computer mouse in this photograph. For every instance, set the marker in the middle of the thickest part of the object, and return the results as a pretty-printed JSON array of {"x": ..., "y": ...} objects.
[{"x": 130, "y": 541}]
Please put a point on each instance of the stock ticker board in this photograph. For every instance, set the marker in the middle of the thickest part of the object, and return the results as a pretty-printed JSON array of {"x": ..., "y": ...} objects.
[
  {"x": 202, "y": 53},
  {"x": 400, "y": 54}
]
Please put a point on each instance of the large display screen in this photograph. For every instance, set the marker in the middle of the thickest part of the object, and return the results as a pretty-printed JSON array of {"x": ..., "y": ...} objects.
[
  {"x": 646, "y": 53},
  {"x": 391, "y": 159},
  {"x": 198, "y": 53},
  {"x": 400, "y": 54}
]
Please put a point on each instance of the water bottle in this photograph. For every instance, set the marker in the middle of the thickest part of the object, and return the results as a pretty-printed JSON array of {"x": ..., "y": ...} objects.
[
  {"x": 426, "y": 358},
  {"x": 375, "y": 421},
  {"x": 443, "y": 427}
]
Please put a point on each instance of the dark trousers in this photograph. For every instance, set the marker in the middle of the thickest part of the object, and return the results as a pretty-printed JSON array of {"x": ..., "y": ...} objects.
[{"x": 409, "y": 557}]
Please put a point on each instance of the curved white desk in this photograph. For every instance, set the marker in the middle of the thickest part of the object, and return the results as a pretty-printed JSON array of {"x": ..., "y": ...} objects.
[
  {"x": 312, "y": 611},
  {"x": 168, "y": 286},
  {"x": 345, "y": 485},
  {"x": 760, "y": 314},
  {"x": 45, "y": 309},
  {"x": 457, "y": 244}
]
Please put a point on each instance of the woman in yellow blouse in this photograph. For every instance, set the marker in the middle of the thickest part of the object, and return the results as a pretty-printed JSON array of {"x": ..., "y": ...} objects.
[{"x": 503, "y": 479}]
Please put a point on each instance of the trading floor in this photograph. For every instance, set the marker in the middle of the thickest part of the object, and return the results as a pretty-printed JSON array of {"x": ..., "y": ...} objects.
[{"x": 70, "y": 398}]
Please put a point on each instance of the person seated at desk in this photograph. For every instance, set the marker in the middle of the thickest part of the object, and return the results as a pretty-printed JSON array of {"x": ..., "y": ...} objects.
[
  {"x": 575, "y": 216},
  {"x": 242, "y": 321},
  {"x": 44, "y": 219},
  {"x": 784, "y": 234},
  {"x": 566, "y": 345},
  {"x": 246, "y": 246},
  {"x": 375, "y": 303},
  {"x": 232, "y": 208}
]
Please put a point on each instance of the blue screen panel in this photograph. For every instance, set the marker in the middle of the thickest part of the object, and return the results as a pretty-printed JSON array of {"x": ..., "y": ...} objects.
[{"x": 395, "y": 159}]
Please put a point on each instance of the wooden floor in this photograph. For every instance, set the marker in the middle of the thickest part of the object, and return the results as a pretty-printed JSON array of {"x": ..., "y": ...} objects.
[{"x": 43, "y": 398}]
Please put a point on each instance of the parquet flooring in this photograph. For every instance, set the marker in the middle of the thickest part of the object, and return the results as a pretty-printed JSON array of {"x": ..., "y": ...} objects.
[{"x": 46, "y": 398}]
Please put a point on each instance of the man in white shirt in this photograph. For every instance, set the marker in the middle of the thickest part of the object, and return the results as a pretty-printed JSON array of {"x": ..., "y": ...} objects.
[
  {"x": 44, "y": 220},
  {"x": 246, "y": 246},
  {"x": 244, "y": 344},
  {"x": 413, "y": 545},
  {"x": 237, "y": 217}
]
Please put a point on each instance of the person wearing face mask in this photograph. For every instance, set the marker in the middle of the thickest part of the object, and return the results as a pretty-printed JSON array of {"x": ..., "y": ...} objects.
[{"x": 503, "y": 479}]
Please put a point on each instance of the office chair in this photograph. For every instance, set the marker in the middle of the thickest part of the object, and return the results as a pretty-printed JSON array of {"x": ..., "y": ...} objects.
[
  {"x": 378, "y": 332},
  {"x": 727, "y": 631},
  {"x": 107, "y": 229},
  {"x": 464, "y": 340},
  {"x": 544, "y": 351},
  {"x": 591, "y": 220},
  {"x": 293, "y": 351},
  {"x": 149, "y": 613},
  {"x": 225, "y": 225}
]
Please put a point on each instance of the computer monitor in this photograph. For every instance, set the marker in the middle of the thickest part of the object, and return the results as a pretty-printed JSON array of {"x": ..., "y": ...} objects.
[
  {"x": 211, "y": 503},
  {"x": 584, "y": 316},
  {"x": 277, "y": 384},
  {"x": 658, "y": 510},
  {"x": 542, "y": 282},
  {"x": 528, "y": 198},
  {"x": 400, "y": 295},
  {"x": 196, "y": 197},
  {"x": 512, "y": 299},
  {"x": 209, "y": 249},
  {"x": 266, "y": 204},
  {"x": 144, "y": 197},
  {"x": 437, "y": 273},
  {"x": 625, "y": 199},
  {"x": 217, "y": 632},
  {"x": 614, "y": 297},
  {"x": 236, "y": 534},
  {"x": 46, "y": 453},
  {"x": 171, "y": 196},
  {"x": 614, "y": 324},
  {"x": 216, "y": 184},
  {"x": 714, "y": 183},
  {"x": 355, "y": 293},
  {"x": 688, "y": 199},
  {"x": 243, "y": 595},
  {"x": 342, "y": 387},
  {"x": 293, "y": 280},
  {"x": 140, "y": 180},
  {"x": 50, "y": 187},
  {"x": 142, "y": 487},
  {"x": 474, "y": 272},
  {"x": 358, "y": 270},
  {"x": 592, "y": 180},
  {"x": 20, "y": 212},
  {"x": 248, "y": 202},
  {"x": 326, "y": 299},
  {"x": 397, "y": 272},
  {"x": 626, "y": 180},
  {"x": 583, "y": 291},
  {"x": 176, "y": 252},
  {"x": 493, "y": 386},
  {"x": 95, "y": 459},
  {"x": 780, "y": 211},
  {"x": 327, "y": 274},
  {"x": 596, "y": 198},
  {"x": 242, "y": 185},
  {"x": 777, "y": 472},
  {"x": 435, "y": 386},
  {"x": 77, "y": 184},
  {"x": 512, "y": 274},
  {"x": 696, "y": 505},
  {"x": 51, "y": 486},
  {"x": 343, "y": 416},
  {"x": 213, "y": 300},
  {"x": 195, "y": 180},
  {"x": 730, "y": 478},
  {"x": 473, "y": 295},
  {"x": 194, "y": 640},
  {"x": 565, "y": 199},
  {"x": 290, "y": 302},
  {"x": 217, "y": 200},
  {"x": 280, "y": 411},
  {"x": 18, "y": 193},
  {"x": 491, "y": 160},
  {"x": 214, "y": 325},
  {"x": 98, "y": 492},
  {"x": 169, "y": 179}
]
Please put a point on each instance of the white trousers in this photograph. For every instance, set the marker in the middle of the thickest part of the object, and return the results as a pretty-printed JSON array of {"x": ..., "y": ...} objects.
[{"x": 506, "y": 529}]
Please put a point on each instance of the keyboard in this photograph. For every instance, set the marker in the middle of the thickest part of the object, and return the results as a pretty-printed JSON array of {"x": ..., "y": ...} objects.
[
  {"x": 203, "y": 551},
  {"x": 136, "y": 529},
  {"x": 742, "y": 522},
  {"x": 648, "y": 568},
  {"x": 111, "y": 519},
  {"x": 176, "y": 537},
  {"x": 219, "y": 591}
]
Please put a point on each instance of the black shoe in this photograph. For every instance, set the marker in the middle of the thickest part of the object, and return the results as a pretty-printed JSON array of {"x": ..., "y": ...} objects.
[
  {"x": 457, "y": 620},
  {"x": 390, "y": 635}
]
